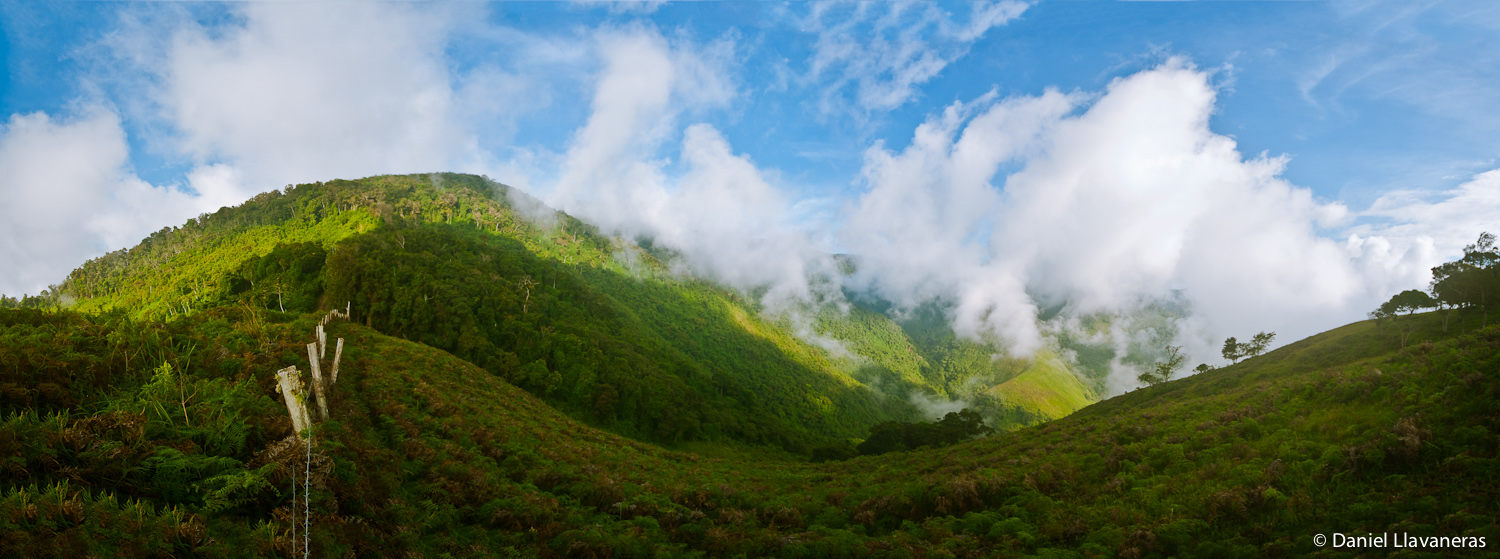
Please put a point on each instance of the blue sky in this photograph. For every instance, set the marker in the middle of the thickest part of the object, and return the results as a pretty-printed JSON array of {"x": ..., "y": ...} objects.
[{"x": 1360, "y": 133}]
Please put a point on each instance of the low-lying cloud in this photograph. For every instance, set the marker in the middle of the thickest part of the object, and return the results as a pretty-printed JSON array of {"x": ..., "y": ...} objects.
[
  {"x": 1116, "y": 199},
  {"x": 1101, "y": 202}
]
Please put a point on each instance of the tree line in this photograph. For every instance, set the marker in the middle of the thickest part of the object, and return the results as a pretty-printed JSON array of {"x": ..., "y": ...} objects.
[
  {"x": 1234, "y": 350},
  {"x": 1462, "y": 286}
]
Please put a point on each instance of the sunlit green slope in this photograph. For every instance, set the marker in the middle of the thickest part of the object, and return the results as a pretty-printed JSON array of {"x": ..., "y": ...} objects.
[{"x": 1044, "y": 391}]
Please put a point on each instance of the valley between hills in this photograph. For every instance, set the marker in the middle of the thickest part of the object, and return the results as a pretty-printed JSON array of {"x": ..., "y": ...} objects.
[{"x": 515, "y": 383}]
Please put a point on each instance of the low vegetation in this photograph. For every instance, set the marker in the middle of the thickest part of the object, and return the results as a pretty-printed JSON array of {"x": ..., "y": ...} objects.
[{"x": 430, "y": 454}]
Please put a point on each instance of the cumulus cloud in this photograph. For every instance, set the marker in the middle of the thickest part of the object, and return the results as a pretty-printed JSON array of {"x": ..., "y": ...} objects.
[
  {"x": 1138, "y": 196},
  {"x": 881, "y": 53},
  {"x": 719, "y": 212},
  {"x": 1125, "y": 199},
  {"x": 301, "y": 92},
  {"x": 922, "y": 229},
  {"x": 70, "y": 196},
  {"x": 1104, "y": 202},
  {"x": 732, "y": 224},
  {"x": 610, "y": 171}
]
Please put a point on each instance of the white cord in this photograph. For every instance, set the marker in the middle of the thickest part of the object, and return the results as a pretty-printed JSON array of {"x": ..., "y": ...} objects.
[
  {"x": 306, "y": 492},
  {"x": 294, "y": 510}
]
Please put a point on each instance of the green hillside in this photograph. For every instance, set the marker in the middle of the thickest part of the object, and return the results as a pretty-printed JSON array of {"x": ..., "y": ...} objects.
[
  {"x": 533, "y": 296},
  {"x": 1046, "y": 390},
  {"x": 543, "y": 300},
  {"x": 430, "y": 455},
  {"x": 920, "y": 354}
]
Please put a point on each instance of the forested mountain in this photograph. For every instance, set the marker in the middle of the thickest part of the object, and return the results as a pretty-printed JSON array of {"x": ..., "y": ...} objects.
[
  {"x": 510, "y": 386},
  {"x": 545, "y": 301}
]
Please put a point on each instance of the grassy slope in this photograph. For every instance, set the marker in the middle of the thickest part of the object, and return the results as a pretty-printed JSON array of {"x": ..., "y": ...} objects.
[
  {"x": 921, "y": 353},
  {"x": 431, "y": 455},
  {"x": 1045, "y": 390}
]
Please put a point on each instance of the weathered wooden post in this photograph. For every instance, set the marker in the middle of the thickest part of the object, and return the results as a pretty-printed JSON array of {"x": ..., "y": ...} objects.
[
  {"x": 337, "y": 353},
  {"x": 317, "y": 383},
  {"x": 289, "y": 382}
]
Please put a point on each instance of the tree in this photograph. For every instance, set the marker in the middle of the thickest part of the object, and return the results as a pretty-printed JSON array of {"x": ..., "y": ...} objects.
[
  {"x": 1481, "y": 259},
  {"x": 526, "y": 283},
  {"x": 1233, "y": 350},
  {"x": 1448, "y": 288},
  {"x": 1203, "y": 368},
  {"x": 954, "y": 427},
  {"x": 1468, "y": 282},
  {"x": 1409, "y": 302},
  {"x": 1259, "y": 343},
  {"x": 1163, "y": 370}
]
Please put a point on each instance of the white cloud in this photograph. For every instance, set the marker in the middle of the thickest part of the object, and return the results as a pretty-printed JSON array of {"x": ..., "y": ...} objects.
[
  {"x": 921, "y": 230},
  {"x": 720, "y": 212},
  {"x": 885, "y": 51},
  {"x": 1129, "y": 200},
  {"x": 1448, "y": 219},
  {"x": 302, "y": 92},
  {"x": 733, "y": 225},
  {"x": 53, "y": 175},
  {"x": 1137, "y": 196},
  {"x": 70, "y": 196},
  {"x": 623, "y": 6},
  {"x": 609, "y": 174},
  {"x": 280, "y": 94}
]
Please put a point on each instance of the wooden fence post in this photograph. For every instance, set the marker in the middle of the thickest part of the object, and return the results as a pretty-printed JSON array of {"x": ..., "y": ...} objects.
[
  {"x": 317, "y": 379},
  {"x": 338, "y": 352},
  {"x": 289, "y": 381}
]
